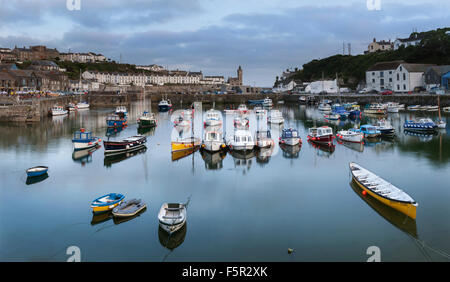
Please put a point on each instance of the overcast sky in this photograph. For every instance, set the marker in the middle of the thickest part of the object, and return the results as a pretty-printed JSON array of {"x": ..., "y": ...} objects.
[{"x": 263, "y": 36}]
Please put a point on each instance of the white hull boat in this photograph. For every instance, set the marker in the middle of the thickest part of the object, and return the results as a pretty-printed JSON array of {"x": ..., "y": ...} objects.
[
  {"x": 58, "y": 111},
  {"x": 350, "y": 136},
  {"x": 172, "y": 216},
  {"x": 213, "y": 141},
  {"x": 275, "y": 117},
  {"x": 242, "y": 141}
]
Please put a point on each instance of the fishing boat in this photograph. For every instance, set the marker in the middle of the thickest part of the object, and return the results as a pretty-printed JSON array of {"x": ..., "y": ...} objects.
[
  {"x": 321, "y": 135},
  {"x": 213, "y": 118},
  {"x": 432, "y": 109},
  {"x": 129, "y": 208},
  {"x": 128, "y": 144},
  {"x": 340, "y": 110},
  {"x": 121, "y": 110},
  {"x": 241, "y": 122},
  {"x": 213, "y": 141},
  {"x": 392, "y": 107},
  {"x": 350, "y": 136},
  {"x": 37, "y": 171},
  {"x": 107, "y": 202},
  {"x": 385, "y": 128},
  {"x": 423, "y": 124},
  {"x": 184, "y": 144},
  {"x": 83, "y": 139},
  {"x": 275, "y": 117},
  {"x": 413, "y": 108},
  {"x": 83, "y": 105},
  {"x": 58, "y": 111},
  {"x": 242, "y": 141},
  {"x": 71, "y": 107},
  {"x": 368, "y": 130},
  {"x": 332, "y": 117},
  {"x": 290, "y": 136},
  {"x": 267, "y": 102},
  {"x": 264, "y": 139},
  {"x": 355, "y": 112},
  {"x": 172, "y": 217},
  {"x": 147, "y": 120},
  {"x": 242, "y": 109},
  {"x": 164, "y": 105},
  {"x": 374, "y": 109},
  {"x": 383, "y": 191},
  {"x": 116, "y": 120},
  {"x": 324, "y": 107}
]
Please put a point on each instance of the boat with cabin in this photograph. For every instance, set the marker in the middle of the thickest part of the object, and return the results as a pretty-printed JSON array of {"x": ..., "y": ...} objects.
[
  {"x": 71, "y": 107},
  {"x": 242, "y": 141},
  {"x": 385, "y": 128},
  {"x": 321, "y": 135},
  {"x": 275, "y": 117},
  {"x": 147, "y": 120},
  {"x": 267, "y": 102},
  {"x": 264, "y": 139},
  {"x": 324, "y": 108},
  {"x": 83, "y": 139},
  {"x": 213, "y": 141},
  {"x": 58, "y": 111},
  {"x": 116, "y": 120},
  {"x": 290, "y": 136},
  {"x": 423, "y": 124},
  {"x": 350, "y": 136},
  {"x": 164, "y": 105},
  {"x": 383, "y": 191},
  {"x": 368, "y": 130},
  {"x": 375, "y": 109}
]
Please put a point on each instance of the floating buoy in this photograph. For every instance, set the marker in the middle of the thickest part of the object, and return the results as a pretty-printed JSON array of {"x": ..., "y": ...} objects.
[{"x": 364, "y": 192}]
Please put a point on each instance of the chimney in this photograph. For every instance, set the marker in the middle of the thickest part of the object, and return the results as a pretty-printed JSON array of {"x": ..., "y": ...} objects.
[{"x": 374, "y": 40}]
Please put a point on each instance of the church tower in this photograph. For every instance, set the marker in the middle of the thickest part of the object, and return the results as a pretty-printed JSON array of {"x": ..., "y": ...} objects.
[{"x": 239, "y": 75}]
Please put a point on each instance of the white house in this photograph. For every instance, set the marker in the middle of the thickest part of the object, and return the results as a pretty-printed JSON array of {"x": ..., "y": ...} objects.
[
  {"x": 413, "y": 40},
  {"x": 317, "y": 87},
  {"x": 381, "y": 75},
  {"x": 409, "y": 76}
]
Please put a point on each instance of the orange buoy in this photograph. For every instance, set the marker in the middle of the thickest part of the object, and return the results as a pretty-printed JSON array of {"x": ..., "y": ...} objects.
[{"x": 364, "y": 192}]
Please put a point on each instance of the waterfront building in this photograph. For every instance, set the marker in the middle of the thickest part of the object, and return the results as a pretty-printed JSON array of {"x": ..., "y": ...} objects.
[
  {"x": 409, "y": 76},
  {"x": 213, "y": 80},
  {"x": 89, "y": 57},
  {"x": 435, "y": 75},
  {"x": 236, "y": 80},
  {"x": 381, "y": 75},
  {"x": 35, "y": 53},
  {"x": 317, "y": 87},
  {"x": 382, "y": 45},
  {"x": 6, "y": 55}
]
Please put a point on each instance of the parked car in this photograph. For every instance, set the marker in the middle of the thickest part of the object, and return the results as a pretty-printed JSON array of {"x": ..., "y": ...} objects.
[
  {"x": 373, "y": 91},
  {"x": 419, "y": 89},
  {"x": 387, "y": 92}
]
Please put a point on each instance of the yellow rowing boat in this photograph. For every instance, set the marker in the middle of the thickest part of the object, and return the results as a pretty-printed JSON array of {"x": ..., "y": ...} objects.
[
  {"x": 186, "y": 144},
  {"x": 383, "y": 191}
]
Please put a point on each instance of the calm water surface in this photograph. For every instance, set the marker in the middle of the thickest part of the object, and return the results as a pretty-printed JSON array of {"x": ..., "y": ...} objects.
[{"x": 250, "y": 209}]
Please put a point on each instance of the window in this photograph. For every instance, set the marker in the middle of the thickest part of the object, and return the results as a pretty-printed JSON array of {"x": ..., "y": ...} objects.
[
  {"x": 373, "y": 80},
  {"x": 398, "y": 76},
  {"x": 404, "y": 76},
  {"x": 381, "y": 81},
  {"x": 390, "y": 72},
  {"x": 390, "y": 79},
  {"x": 404, "y": 86},
  {"x": 381, "y": 73},
  {"x": 401, "y": 68},
  {"x": 398, "y": 87}
]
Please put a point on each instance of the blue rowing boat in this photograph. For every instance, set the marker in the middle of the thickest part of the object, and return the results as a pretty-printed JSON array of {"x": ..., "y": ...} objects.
[
  {"x": 37, "y": 171},
  {"x": 106, "y": 202}
]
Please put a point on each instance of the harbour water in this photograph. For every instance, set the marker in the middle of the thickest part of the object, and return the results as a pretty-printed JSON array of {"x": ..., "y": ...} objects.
[{"x": 250, "y": 209}]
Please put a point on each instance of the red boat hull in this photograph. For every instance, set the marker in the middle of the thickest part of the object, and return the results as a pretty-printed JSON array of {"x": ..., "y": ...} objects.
[{"x": 326, "y": 139}]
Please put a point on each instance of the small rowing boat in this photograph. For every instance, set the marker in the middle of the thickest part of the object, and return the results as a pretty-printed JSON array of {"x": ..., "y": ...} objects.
[
  {"x": 128, "y": 144},
  {"x": 106, "y": 202},
  {"x": 383, "y": 191},
  {"x": 129, "y": 208},
  {"x": 37, "y": 171},
  {"x": 172, "y": 216}
]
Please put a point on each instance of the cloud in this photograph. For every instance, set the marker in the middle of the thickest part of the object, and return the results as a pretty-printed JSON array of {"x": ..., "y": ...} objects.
[{"x": 172, "y": 32}]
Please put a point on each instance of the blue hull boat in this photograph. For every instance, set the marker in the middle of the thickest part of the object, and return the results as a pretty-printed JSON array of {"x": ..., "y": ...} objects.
[
  {"x": 107, "y": 202},
  {"x": 422, "y": 125},
  {"x": 37, "y": 171},
  {"x": 116, "y": 120}
]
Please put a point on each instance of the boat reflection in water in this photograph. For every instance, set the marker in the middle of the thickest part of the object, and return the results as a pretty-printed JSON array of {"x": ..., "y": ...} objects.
[
  {"x": 263, "y": 155},
  {"x": 147, "y": 131},
  {"x": 213, "y": 161},
  {"x": 36, "y": 179},
  {"x": 359, "y": 147},
  {"x": 290, "y": 152},
  {"x": 112, "y": 159},
  {"x": 98, "y": 218},
  {"x": 174, "y": 240},
  {"x": 120, "y": 219},
  {"x": 423, "y": 137},
  {"x": 84, "y": 156},
  {"x": 396, "y": 218},
  {"x": 113, "y": 131},
  {"x": 323, "y": 150},
  {"x": 372, "y": 142},
  {"x": 178, "y": 155}
]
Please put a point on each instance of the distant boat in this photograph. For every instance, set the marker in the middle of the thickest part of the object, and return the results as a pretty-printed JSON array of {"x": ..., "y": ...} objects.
[
  {"x": 332, "y": 116},
  {"x": 128, "y": 144},
  {"x": 129, "y": 208},
  {"x": 290, "y": 136},
  {"x": 83, "y": 139},
  {"x": 213, "y": 141},
  {"x": 350, "y": 136},
  {"x": 392, "y": 107},
  {"x": 106, "y": 202},
  {"x": 423, "y": 124},
  {"x": 385, "y": 128},
  {"x": 322, "y": 135},
  {"x": 375, "y": 109},
  {"x": 71, "y": 107},
  {"x": 267, "y": 102},
  {"x": 264, "y": 139},
  {"x": 121, "y": 110},
  {"x": 58, "y": 111},
  {"x": 324, "y": 107},
  {"x": 37, "y": 171},
  {"x": 275, "y": 117},
  {"x": 172, "y": 217},
  {"x": 413, "y": 108},
  {"x": 446, "y": 109},
  {"x": 147, "y": 120},
  {"x": 83, "y": 105},
  {"x": 213, "y": 118},
  {"x": 383, "y": 191},
  {"x": 164, "y": 105}
]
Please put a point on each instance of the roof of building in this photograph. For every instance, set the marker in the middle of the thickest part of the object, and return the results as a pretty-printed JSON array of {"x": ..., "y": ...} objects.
[
  {"x": 416, "y": 67},
  {"x": 380, "y": 66},
  {"x": 439, "y": 69}
]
